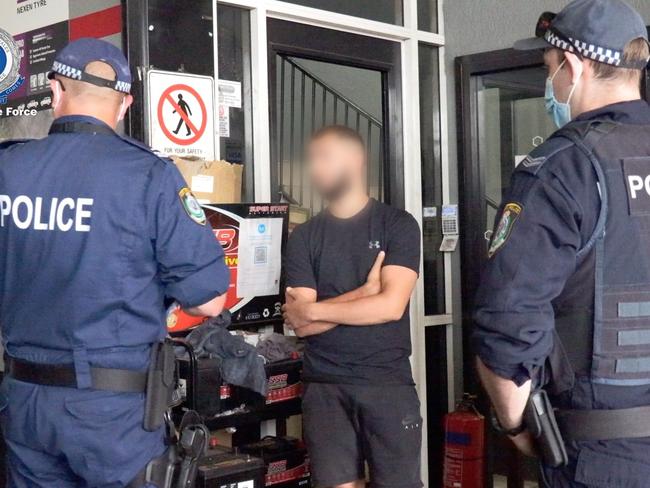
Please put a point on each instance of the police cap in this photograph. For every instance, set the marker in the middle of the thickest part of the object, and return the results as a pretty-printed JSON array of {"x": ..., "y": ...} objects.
[
  {"x": 594, "y": 29},
  {"x": 72, "y": 60}
]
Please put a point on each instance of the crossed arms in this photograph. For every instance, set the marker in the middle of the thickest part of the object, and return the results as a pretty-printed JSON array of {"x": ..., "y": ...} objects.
[{"x": 383, "y": 298}]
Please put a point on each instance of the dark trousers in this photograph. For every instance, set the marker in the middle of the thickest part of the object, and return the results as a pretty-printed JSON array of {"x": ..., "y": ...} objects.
[{"x": 69, "y": 438}]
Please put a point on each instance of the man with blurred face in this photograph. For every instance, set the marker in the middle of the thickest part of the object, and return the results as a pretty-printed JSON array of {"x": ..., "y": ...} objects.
[{"x": 350, "y": 273}]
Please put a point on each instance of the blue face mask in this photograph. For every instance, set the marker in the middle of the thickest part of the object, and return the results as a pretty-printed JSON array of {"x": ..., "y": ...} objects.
[{"x": 560, "y": 112}]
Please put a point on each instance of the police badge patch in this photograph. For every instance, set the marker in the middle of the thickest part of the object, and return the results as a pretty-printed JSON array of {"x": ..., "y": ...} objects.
[
  {"x": 192, "y": 206},
  {"x": 510, "y": 215}
]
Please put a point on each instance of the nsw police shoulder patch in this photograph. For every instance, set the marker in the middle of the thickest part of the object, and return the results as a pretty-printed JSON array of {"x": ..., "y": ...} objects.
[
  {"x": 192, "y": 206},
  {"x": 509, "y": 216}
]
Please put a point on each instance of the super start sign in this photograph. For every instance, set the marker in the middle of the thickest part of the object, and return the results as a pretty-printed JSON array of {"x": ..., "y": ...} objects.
[
  {"x": 229, "y": 222},
  {"x": 181, "y": 114}
]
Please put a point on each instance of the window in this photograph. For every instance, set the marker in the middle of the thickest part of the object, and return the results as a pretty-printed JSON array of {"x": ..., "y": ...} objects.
[
  {"x": 180, "y": 36},
  {"x": 236, "y": 133},
  {"x": 388, "y": 11},
  {"x": 172, "y": 49},
  {"x": 428, "y": 15},
  {"x": 433, "y": 259}
]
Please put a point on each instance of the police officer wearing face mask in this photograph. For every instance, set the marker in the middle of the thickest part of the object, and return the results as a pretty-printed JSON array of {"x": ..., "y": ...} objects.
[
  {"x": 563, "y": 311},
  {"x": 95, "y": 231}
]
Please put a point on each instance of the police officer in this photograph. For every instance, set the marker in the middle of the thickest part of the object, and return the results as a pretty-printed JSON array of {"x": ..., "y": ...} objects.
[
  {"x": 95, "y": 231},
  {"x": 564, "y": 304}
]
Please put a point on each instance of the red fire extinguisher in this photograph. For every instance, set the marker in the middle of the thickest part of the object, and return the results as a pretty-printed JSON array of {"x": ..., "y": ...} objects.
[{"x": 464, "y": 463}]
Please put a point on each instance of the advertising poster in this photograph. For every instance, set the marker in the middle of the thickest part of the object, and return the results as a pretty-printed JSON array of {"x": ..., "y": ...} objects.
[
  {"x": 252, "y": 237},
  {"x": 38, "y": 49}
]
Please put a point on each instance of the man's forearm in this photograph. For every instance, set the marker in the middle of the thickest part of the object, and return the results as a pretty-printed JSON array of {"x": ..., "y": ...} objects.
[
  {"x": 508, "y": 399},
  {"x": 355, "y": 294},
  {"x": 314, "y": 328},
  {"x": 372, "y": 310},
  {"x": 320, "y": 327}
]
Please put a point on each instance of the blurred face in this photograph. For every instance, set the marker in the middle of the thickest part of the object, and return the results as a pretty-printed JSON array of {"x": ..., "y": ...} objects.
[{"x": 336, "y": 165}]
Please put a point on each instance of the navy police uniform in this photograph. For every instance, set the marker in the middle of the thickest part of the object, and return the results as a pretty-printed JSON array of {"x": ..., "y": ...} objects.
[
  {"x": 537, "y": 298},
  {"x": 95, "y": 232},
  {"x": 565, "y": 298}
]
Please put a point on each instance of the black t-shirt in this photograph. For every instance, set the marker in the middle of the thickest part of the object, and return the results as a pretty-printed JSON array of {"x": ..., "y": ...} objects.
[{"x": 333, "y": 256}]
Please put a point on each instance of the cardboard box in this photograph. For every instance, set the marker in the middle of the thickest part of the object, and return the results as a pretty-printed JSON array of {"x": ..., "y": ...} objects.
[{"x": 212, "y": 181}]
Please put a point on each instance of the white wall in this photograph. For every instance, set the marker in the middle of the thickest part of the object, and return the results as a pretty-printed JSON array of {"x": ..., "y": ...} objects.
[{"x": 474, "y": 26}]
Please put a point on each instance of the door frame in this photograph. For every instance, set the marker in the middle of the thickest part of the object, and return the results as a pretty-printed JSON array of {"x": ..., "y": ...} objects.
[
  {"x": 410, "y": 37},
  {"x": 473, "y": 212},
  {"x": 325, "y": 45},
  {"x": 471, "y": 177}
]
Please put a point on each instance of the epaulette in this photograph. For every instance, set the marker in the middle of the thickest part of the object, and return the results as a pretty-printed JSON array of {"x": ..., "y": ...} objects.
[
  {"x": 535, "y": 161},
  {"x": 144, "y": 147},
  {"x": 13, "y": 142}
]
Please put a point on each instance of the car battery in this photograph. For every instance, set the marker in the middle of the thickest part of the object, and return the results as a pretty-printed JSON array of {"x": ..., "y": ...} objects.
[
  {"x": 223, "y": 469},
  {"x": 284, "y": 384},
  {"x": 204, "y": 389},
  {"x": 286, "y": 460}
]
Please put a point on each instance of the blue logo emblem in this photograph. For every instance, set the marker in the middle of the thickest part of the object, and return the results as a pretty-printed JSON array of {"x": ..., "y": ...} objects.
[
  {"x": 10, "y": 78},
  {"x": 261, "y": 228}
]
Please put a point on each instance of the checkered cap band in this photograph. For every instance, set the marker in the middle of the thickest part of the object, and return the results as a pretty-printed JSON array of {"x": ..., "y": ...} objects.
[
  {"x": 591, "y": 51},
  {"x": 77, "y": 74},
  {"x": 67, "y": 71},
  {"x": 123, "y": 86}
]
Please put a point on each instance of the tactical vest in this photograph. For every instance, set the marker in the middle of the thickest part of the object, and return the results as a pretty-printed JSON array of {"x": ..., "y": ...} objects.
[{"x": 619, "y": 251}]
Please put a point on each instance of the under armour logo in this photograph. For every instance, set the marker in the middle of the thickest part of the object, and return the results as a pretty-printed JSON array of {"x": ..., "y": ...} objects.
[{"x": 374, "y": 245}]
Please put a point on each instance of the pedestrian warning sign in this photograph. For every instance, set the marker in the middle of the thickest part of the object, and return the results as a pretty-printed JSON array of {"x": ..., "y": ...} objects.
[{"x": 181, "y": 114}]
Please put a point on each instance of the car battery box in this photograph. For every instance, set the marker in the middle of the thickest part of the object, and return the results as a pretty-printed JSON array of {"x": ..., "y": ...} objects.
[
  {"x": 284, "y": 384},
  {"x": 223, "y": 469},
  {"x": 205, "y": 391},
  {"x": 286, "y": 461}
]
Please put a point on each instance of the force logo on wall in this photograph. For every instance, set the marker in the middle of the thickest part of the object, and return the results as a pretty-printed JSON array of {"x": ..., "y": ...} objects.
[
  {"x": 510, "y": 215},
  {"x": 10, "y": 78}
]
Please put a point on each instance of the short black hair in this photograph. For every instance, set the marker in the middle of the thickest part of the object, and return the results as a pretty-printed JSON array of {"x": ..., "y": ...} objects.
[{"x": 340, "y": 131}]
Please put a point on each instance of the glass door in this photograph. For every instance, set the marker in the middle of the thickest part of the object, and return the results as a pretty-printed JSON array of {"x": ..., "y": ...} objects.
[
  {"x": 502, "y": 119},
  {"x": 511, "y": 122}
]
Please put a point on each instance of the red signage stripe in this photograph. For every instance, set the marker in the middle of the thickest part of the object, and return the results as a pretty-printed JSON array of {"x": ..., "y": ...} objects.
[{"x": 99, "y": 24}]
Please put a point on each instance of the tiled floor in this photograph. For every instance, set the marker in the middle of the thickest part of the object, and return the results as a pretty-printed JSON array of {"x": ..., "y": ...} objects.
[{"x": 501, "y": 482}]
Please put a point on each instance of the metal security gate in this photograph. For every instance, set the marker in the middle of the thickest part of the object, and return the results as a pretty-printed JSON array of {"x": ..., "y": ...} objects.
[{"x": 305, "y": 104}]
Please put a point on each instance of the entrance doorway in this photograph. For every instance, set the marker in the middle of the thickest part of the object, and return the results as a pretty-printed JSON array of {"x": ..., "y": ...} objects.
[
  {"x": 503, "y": 118},
  {"x": 319, "y": 77}
]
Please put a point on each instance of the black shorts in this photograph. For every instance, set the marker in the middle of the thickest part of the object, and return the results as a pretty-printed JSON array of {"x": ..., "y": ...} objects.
[{"x": 346, "y": 426}]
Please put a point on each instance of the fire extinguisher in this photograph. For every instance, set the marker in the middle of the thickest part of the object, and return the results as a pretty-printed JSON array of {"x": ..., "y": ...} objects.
[{"x": 464, "y": 464}]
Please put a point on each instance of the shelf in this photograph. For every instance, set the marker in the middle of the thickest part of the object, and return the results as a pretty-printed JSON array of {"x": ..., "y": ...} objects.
[{"x": 280, "y": 410}]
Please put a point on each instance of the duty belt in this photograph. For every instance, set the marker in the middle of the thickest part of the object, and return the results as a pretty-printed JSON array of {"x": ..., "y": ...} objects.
[
  {"x": 64, "y": 375},
  {"x": 603, "y": 425}
]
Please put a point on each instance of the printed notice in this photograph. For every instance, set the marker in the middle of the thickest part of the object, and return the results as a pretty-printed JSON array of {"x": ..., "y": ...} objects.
[
  {"x": 224, "y": 121},
  {"x": 229, "y": 93},
  {"x": 202, "y": 184},
  {"x": 260, "y": 257}
]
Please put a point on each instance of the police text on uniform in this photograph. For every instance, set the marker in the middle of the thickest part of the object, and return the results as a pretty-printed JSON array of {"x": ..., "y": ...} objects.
[{"x": 63, "y": 214}]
